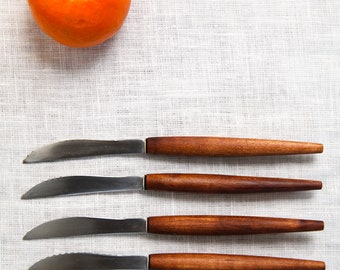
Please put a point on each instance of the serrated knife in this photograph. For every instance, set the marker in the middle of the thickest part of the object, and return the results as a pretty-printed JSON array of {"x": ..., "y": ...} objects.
[
  {"x": 175, "y": 261},
  {"x": 187, "y": 146},
  {"x": 204, "y": 183},
  {"x": 177, "y": 225}
]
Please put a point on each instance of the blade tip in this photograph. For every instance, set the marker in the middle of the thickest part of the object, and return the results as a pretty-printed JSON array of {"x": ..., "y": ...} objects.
[
  {"x": 25, "y": 197},
  {"x": 42, "y": 154},
  {"x": 29, "y": 195},
  {"x": 27, "y": 237},
  {"x": 32, "y": 236},
  {"x": 31, "y": 158},
  {"x": 26, "y": 160}
]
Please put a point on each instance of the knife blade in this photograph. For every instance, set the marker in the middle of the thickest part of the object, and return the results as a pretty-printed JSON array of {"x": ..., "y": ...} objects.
[
  {"x": 204, "y": 183},
  {"x": 175, "y": 261},
  {"x": 188, "y": 146},
  {"x": 177, "y": 225},
  {"x": 88, "y": 261}
]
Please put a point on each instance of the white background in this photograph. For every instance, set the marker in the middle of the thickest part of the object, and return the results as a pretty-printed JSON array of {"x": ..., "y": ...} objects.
[{"x": 248, "y": 68}]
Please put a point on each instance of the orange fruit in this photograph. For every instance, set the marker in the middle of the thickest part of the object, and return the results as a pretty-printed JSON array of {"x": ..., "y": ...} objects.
[{"x": 80, "y": 23}]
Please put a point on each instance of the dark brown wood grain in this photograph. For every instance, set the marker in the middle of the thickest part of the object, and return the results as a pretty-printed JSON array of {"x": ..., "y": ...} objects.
[
  {"x": 228, "y": 262},
  {"x": 212, "y": 183},
  {"x": 217, "y": 146},
  {"x": 228, "y": 225}
]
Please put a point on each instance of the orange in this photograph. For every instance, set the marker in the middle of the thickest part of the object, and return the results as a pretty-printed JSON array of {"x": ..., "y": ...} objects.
[{"x": 80, "y": 23}]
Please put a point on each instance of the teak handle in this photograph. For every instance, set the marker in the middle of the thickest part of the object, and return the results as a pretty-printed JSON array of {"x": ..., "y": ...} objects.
[
  {"x": 217, "y": 146},
  {"x": 210, "y": 183},
  {"x": 228, "y": 262},
  {"x": 228, "y": 225}
]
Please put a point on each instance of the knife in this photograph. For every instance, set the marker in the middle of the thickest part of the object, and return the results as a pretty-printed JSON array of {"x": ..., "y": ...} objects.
[
  {"x": 205, "y": 183},
  {"x": 179, "y": 225},
  {"x": 175, "y": 261},
  {"x": 184, "y": 146}
]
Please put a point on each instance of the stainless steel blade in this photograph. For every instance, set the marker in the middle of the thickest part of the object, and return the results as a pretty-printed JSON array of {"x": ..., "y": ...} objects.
[
  {"x": 83, "y": 148},
  {"x": 72, "y": 185},
  {"x": 76, "y": 226},
  {"x": 87, "y": 261}
]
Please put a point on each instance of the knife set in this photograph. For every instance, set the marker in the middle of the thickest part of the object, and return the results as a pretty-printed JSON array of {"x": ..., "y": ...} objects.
[{"x": 179, "y": 225}]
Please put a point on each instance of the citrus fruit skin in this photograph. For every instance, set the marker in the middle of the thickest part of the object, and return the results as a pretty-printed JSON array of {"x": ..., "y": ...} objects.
[{"x": 80, "y": 23}]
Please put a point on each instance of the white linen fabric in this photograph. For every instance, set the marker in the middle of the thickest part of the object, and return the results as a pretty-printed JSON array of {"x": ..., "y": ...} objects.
[{"x": 251, "y": 68}]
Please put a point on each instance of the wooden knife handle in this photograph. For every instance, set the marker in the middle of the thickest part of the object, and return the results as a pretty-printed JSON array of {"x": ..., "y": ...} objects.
[
  {"x": 216, "y": 146},
  {"x": 228, "y": 262},
  {"x": 210, "y": 183},
  {"x": 228, "y": 225}
]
